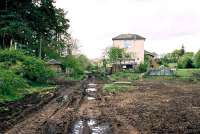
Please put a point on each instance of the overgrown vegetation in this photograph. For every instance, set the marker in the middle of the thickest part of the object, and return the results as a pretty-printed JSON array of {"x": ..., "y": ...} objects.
[
  {"x": 197, "y": 59},
  {"x": 75, "y": 66},
  {"x": 18, "y": 71},
  {"x": 125, "y": 76},
  {"x": 31, "y": 33},
  {"x": 10, "y": 82}
]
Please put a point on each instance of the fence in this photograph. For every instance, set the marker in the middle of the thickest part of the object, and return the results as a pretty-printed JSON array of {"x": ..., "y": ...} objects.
[{"x": 161, "y": 72}]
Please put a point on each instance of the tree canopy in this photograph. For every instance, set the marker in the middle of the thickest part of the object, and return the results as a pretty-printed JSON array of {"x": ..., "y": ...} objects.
[{"x": 36, "y": 26}]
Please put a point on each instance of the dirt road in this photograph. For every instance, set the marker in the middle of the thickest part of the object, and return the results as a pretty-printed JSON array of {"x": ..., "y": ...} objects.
[
  {"x": 152, "y": 106},
  {"x": 54, "y": 111}
]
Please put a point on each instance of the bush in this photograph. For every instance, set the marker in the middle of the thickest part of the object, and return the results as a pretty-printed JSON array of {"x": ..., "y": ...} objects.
[
  {"x": 127, "y": 76},
  {"x": 11, "y": 56},
  {"x": 10, "y": 82},
  {"x": 36, "y": 70},
  {"x": 73, "y": 63},
  {"x": 197, "y": 60},
  {"x": 186, "y": 61},
  {"x": 30, "y": 67},
  {"x": 142, "y": 67}
]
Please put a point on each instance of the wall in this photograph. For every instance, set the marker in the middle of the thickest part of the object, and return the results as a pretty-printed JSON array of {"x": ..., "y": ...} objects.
[{"x": 136, "y": 48}]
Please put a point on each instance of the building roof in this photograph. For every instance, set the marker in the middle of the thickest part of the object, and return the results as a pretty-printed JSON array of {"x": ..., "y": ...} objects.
[
  {"x": 53, "y": 62},
  {"x": 151, "y": 54},
  {"x": 128, "y": 37}
]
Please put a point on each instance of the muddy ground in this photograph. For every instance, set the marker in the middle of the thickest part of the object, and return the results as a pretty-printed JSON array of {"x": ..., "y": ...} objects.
[
  {"x": 152, "y": 106},
  {"x": 156, "y": 107}
]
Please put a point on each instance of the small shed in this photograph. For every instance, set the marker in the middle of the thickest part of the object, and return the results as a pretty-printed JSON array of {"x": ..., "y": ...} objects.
[{"x": 55, "y": 65}]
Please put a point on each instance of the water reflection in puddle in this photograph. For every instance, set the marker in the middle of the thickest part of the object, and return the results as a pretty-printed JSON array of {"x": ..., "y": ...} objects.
[
  {"x": 91, "y": 98},
  {"x": 91, "y": 85},
  {"x": 90, "y": 127},
  {"x": 91, "y": 90}
]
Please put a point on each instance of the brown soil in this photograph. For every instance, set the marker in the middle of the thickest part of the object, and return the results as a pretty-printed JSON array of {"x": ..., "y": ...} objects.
[
  {"x": 54, "y": 111},
  {"x": 150, "y": 107},
  {"x": 155, "y": 107}
]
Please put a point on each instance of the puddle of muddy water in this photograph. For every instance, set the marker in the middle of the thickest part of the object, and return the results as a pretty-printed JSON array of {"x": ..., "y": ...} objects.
[
  {"x": 90, "y": 126},
  {"x": 91, "y": 98},
  {"x": 91, "y": 90}
]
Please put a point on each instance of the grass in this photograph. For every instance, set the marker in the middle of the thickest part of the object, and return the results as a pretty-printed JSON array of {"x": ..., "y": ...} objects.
[
  {"x": 125, "y": 76},
  {"x": 180, "y": 75},
  {"x": 172, "y": 65},
  {"x": 113, "y": 88},
  {"x": 20, "y": 93},
  {"x": 186, "y": 72}
]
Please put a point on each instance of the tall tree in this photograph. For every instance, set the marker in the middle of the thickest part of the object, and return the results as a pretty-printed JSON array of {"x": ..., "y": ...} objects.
[{"x": 34, "y": 25}]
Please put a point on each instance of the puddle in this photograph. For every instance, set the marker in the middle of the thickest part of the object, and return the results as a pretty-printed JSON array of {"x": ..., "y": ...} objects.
[
  {"x": 65, "y": 97},
  {"x": 91, "y": 98},
  {"x": 90, "y": 126},
  {"x": 91, "y": 90}
]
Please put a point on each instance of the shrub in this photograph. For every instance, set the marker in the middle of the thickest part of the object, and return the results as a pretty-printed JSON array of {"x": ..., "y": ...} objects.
[
  {"x": 197, "y": 60},
  {"x": 127, "y": 76},
  {"x": 11, "y": 56},
  {"x": 142, "y": 67},
  {"x": 36, "y": 70},
  {"x": 74, "y": 64},
  {"x": 185, "y": 61},
  {"x": 10, "y": 82}
]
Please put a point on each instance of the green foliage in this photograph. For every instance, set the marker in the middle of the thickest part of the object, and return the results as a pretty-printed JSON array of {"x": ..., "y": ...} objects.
[
  {"x": 72, "y": 62},
  {"x": 142, "y": 67},
  {"x": 31, "y": 68},
  {"x": 186, "y": 61},
  {"x": 113, "y": 88},
  {"x": 75, "y": 66},
  {"x": 10, "y": 82},
  {"x": 27, "y": 24},
  {"x": 124, "y": 76},
  {"x": 197, "y": 59},
  {"x": 115, "y": 53},
  {"x": 11, "y": 55},
  {"x": 172, "y": 57},
  {"x": 84, "y": 61},
  {"x": 186, "y": 72},
  {"x": 36, "y": 70}
]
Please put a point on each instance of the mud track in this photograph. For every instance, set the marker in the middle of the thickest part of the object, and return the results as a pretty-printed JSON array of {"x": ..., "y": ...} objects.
[
  {"x": 59, "y": 115},
  {"x": 52, "y": 117},
  {"x": 150, "y": 107}
]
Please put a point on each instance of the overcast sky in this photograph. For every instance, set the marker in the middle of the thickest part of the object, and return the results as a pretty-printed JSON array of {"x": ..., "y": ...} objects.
[{"x": 166, "y": 24}]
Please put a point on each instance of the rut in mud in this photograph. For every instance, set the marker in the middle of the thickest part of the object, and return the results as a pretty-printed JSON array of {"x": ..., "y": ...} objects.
[
  {"x": 150, "y": 107},
  {"x": 76, "y": 111},
  {"x": 55, "y": 116},
  {"x": 88, "y": 116}
]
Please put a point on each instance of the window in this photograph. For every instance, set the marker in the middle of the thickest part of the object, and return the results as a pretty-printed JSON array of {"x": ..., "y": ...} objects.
[{"x": 127, "y": 44}]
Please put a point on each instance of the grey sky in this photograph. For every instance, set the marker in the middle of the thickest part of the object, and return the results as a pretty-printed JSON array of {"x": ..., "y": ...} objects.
[{"x": 167, "y": 24}]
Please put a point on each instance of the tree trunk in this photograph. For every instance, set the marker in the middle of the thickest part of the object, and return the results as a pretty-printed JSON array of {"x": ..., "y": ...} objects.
[{"x": 40, "y": 49}]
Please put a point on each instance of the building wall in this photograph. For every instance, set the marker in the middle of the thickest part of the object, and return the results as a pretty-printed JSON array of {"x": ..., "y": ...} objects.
[
  {"x": 136, "y": 48},
  {"x": 55, "y": 68}
]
